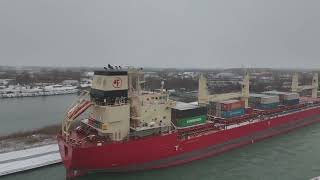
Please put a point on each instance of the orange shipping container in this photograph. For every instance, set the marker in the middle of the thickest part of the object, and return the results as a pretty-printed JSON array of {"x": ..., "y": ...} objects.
[{"x": 231, "y": 104}]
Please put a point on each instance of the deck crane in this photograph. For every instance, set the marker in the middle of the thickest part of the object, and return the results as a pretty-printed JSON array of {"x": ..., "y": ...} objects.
[
  {"x": 313, "y": 87},
  {"x": 204, "y": 97}
]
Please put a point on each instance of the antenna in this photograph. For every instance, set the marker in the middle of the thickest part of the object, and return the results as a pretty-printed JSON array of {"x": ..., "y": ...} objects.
[{"x": 110, "y": 67}]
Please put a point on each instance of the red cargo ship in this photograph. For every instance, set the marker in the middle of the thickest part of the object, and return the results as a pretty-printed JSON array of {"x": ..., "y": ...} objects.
[{"x": 99, "y": 143}]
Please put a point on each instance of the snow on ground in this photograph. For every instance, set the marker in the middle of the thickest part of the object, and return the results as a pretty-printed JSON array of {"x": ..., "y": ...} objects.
[
  {"x": 15, "y": 144},
  {"x": 28, "y": 152},
  {"x": 17, "y": 161}
]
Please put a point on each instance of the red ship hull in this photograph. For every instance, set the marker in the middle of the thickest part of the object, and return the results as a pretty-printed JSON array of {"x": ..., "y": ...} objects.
[{"x": 168, "y": 150}]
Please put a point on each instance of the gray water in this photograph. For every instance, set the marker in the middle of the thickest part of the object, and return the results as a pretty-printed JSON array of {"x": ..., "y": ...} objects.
[
  {"x": 28, "y": 113},
  {"x": 293, "y": 156}
]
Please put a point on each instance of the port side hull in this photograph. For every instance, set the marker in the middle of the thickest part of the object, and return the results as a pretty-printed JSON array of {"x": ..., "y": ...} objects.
[{"x": 164, "y": 151}]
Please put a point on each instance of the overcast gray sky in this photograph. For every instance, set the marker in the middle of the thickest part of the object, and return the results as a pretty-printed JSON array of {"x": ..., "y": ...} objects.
[{"x": 161, "y": 33}]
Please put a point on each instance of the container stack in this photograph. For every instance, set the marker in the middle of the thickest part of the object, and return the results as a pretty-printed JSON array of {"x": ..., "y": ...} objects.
[
  {"x": 185, "y": 115},
  {"x": 230, "y": 108},
  {"x": 263, "y": 101},
  {"x": 286, "y": 98},
  {"x": 291, "y": 99}
]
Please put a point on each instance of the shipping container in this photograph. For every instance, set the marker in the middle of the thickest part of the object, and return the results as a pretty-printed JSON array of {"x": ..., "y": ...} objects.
[
  {"x": 232, "y": 113},
  {"x": 185, "y": 110},
  {"x": 283, "y": 95},
  {"x": 262, "y": 99},
  {"x": 291, "y": 102},
  {"x": 270, "y": 100},
  {"x": 291, "y": 96},
  {"x": 185, "y": 114},
  {"x": 267, "y": 106},
  {"x": 229, "y": 105},
  {"x": 255, "y": 98},
  {"x": 190, "y": 121}
]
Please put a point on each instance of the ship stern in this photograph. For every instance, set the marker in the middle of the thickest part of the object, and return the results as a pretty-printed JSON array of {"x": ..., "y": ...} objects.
[{"x": 66, "y": 151}]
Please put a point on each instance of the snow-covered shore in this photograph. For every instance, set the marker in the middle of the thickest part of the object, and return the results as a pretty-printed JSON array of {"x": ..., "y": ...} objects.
[
  {"x": 22, "y": 160},
  {"x": 23, "y": 91},
  {"x": 28, "y": 150}
]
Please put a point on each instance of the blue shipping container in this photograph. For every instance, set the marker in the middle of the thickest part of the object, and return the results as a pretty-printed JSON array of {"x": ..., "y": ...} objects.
[
  {"x": 291, "y": 102},
  {"x": 267, "y": 106},
  {"x": 232, "y": 113}
]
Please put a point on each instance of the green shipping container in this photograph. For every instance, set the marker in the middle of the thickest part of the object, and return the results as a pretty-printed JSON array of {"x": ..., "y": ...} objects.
[{"x": 185, "y": 122}]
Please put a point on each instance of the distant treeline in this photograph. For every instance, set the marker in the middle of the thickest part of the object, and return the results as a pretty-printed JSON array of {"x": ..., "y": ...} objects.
[
  {"x": 172, "y": 83},
  {"x": 52, "y": 76}
]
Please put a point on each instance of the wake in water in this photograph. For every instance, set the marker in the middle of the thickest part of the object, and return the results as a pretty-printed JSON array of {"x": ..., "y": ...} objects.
[{"x": 315, "y": 178}]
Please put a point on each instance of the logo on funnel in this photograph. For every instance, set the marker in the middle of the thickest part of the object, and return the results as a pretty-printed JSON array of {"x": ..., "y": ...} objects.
[{"x": 117, "y": 83}]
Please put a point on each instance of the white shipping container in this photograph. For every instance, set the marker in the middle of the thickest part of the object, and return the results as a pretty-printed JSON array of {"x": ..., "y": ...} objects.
[
  {"x": 269, "y": 99},
  {"x": 291, "y": 96},
  {"x": 284, "y": 95}
]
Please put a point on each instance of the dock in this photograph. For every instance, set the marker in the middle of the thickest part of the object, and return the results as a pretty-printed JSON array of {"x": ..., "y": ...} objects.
[{"x": 27, "y": 159}]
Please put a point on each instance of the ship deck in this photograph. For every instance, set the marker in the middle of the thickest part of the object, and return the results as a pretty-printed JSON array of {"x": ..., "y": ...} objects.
[
  {"x": 224, "y": 124},
  {"x": 213, "y": 125}
]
